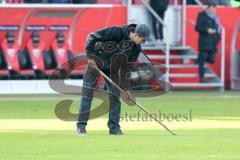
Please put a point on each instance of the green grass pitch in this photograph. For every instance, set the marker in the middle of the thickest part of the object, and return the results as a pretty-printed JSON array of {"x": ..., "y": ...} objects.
[{"x": 218, "y": 141}]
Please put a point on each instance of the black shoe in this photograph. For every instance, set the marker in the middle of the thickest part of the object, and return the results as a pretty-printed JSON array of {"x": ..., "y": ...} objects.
[
  {"x": 81, "y": 131},
  {"x": 117, "y": 132}
]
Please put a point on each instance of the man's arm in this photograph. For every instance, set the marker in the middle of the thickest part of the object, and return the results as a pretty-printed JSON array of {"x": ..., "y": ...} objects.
[
  {"x": 125, "y": 69},
  {"x": 125, "y": 80},
  {"x": 201, "y": 25},
  {"x": 104, "y": 35}
]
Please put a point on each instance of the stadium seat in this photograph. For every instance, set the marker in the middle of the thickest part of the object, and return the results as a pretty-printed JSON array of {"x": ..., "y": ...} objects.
[
  {"x": 60, "y": 51},
  {"x": 18, "y": 62},
  {"x": 43, "y": 64}
]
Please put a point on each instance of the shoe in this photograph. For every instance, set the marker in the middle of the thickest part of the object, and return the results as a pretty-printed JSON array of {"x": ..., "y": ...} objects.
[
  {"x": 117, "y": 133},
  {"x": 81, "y": 131}
]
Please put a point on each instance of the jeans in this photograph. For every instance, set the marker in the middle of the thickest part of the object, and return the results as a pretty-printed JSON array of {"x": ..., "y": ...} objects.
[
  {"x": 202, "y": 58},
  {"x": 157, "y": 26},
  {"x": 89, "y": 84}
]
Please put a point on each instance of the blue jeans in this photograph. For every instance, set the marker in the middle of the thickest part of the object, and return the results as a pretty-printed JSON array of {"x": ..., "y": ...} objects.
[{"x": 89, "y": 84}]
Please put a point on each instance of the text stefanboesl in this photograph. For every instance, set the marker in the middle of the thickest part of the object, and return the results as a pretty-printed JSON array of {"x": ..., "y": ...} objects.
[{"x": 170, "y": 117}]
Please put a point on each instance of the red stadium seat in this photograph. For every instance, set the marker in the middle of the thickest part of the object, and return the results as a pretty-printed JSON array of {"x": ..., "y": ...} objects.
[
  {"x": 42, "y": 63},
  {"x": 17, "y": 62},
  {"x": 62, "y": 54}
]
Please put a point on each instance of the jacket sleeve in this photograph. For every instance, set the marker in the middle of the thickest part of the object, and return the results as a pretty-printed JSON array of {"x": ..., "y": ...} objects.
[
  {"x": 104, "y": 35},
  {"x": 125, "y": 70},
  {"x": 127, "y": 67},
  {"x": 201, "y": 25}
]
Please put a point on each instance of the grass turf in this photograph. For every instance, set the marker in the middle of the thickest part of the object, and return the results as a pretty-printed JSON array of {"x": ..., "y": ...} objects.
[
  {"x": 204, "y": 105},
  {"x": 197, "y": 144},
  {"x": 217, "y": 144}
]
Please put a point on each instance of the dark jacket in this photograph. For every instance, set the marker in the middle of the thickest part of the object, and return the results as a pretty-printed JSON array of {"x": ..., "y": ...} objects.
[
  {"x": 159, "y": 5},
  {"x": 115, "y": 43},
  {"x": 207, "y": 42}
]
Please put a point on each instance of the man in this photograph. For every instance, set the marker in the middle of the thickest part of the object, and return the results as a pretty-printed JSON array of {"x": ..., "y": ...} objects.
[
  {"x": 110, "y": 49},
  {"x": 209, "y": 29},
  {"x": 160, "y": 7}
]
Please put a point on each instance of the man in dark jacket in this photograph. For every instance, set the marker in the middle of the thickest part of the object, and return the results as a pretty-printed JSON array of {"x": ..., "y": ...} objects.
[
  {"x": 110, "y": 49},
  {"x": 160, "y": 7},
  {"x": 209, "y": 29}
]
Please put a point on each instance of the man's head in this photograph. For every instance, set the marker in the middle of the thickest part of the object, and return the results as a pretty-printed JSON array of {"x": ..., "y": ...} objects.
[
  {"x": 212, "y": 6},
  {"x": 140, "y": 34}
]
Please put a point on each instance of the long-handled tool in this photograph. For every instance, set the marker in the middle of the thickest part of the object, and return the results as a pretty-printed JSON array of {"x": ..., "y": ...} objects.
[{"x": 137, "y": 104}]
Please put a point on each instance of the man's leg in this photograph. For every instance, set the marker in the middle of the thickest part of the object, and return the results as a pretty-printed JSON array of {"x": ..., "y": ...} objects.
[
  {"x": 155, "y": 27},
  {"x": 89, "y": 84},
  {"x": 114, "y": 109},
  {"x": 161, "y": 14},
  {"x": 201, "y": 63},
  {"x": 210, "y": 58}
]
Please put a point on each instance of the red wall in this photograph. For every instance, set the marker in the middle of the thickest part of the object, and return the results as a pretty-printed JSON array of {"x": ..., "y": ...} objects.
[{"x": 229, "y": 18}]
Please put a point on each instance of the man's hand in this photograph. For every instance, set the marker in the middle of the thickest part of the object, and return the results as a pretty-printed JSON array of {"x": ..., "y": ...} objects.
[
  {"x": 128, "y": 95},
  {"x": 91, "y": 63},
  {"x": 211, "y": 31}
]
